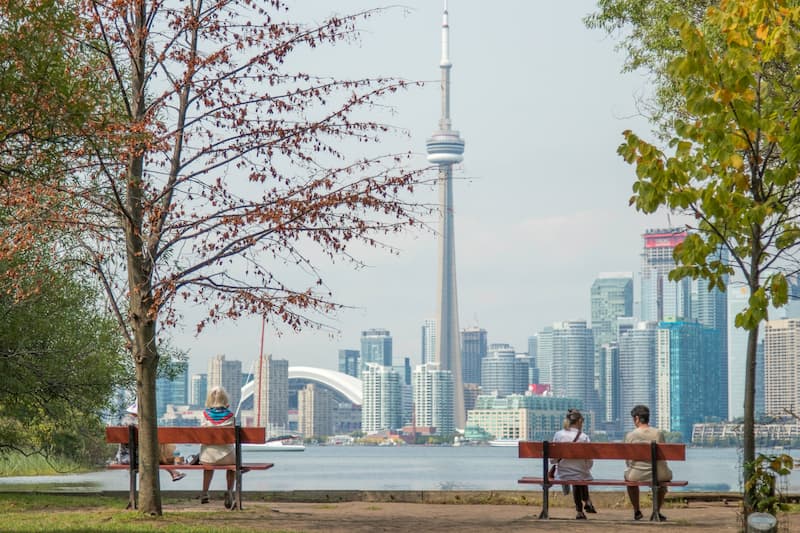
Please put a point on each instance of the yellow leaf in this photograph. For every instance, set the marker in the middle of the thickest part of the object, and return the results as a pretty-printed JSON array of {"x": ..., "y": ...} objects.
[
  {"x": 736, "y": 161},
  {"x": 762, "y": 31}
]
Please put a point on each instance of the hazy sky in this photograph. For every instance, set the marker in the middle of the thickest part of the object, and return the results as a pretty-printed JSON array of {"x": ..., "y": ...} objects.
[{"x": 541, "y": 205}]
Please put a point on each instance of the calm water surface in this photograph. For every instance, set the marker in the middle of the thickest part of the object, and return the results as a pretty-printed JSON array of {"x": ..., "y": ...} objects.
[{"x": 413, "y": 468}]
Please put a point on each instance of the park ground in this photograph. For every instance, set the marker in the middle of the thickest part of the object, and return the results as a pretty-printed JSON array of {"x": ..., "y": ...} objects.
[{"x": 372, "y": 512}]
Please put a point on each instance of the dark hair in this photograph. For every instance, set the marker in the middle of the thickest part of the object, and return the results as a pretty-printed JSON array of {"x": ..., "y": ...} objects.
[{"x": 643, "y": 412}]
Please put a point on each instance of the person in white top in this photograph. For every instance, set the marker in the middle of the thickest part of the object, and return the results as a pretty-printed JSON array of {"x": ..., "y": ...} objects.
[{"x": 575, "y": 469}]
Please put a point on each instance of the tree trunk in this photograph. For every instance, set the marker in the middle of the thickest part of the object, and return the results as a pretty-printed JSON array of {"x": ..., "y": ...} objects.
[
  {"x": 146, "y": 358},
  {"x": 748, "y": 433}
]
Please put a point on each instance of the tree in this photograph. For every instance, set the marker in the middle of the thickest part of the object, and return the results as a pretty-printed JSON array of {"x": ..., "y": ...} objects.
[
  {"x": 61, "y": 357},
  {"x": 732, "y": 161},
  {"x": 219, "y": 175}
]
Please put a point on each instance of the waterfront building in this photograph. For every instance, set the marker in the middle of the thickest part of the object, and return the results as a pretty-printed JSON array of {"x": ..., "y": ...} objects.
[
  {"x": 782, "y": 367},
  {"x": 271, "y": 397},
  {"x": 315, "y": 411},
  {"x": 173, "y": 390},
  {"x": 474, "y": 347},
  {"x": 660, "y": 297},
  {"x": 637, "y": 370},
  {"x": 428, "y": 353},
  {"x": 523, "y": 417},
  {"x": 349, "y": 362},
  {"x": 382, "y": 401},
  {"x": 573, "y": 363},
  {"x": 688, "y": 381},
  {"x": 445, "y": 148},
  {"x": 611, "y": 299},
  {"x": 227, "y": 374},
  {"x": 376, "y": 348},
  {"x": 433, "y": 398},
  {"x": 198, "y": 390}
]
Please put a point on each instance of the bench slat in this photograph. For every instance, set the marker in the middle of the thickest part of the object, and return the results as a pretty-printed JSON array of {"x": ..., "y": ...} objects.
[
  {"x": 245, "y": 467},
  {"x": 193, "y": 435},
  {"x": 638, "y": 451},
  {"x": 615, "y": 482}
]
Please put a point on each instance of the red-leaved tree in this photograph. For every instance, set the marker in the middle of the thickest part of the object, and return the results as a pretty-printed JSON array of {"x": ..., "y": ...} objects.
[{"x": 217, "y": 165}]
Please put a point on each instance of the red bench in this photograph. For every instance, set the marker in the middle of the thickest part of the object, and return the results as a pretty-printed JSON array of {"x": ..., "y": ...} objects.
[
  {"x": 235, "y": 435},
  {"x": 639, "y": 451}
]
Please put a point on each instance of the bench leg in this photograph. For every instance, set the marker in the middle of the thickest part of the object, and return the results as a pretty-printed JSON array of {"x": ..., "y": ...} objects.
[
  {"x": 132, "y": 504},
  {"x": 545, "y": 514}
]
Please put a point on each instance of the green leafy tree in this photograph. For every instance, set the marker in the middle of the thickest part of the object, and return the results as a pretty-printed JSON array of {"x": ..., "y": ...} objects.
[
  {"x": 732, "y": 160},
  {"x": 61, "y": 358}
]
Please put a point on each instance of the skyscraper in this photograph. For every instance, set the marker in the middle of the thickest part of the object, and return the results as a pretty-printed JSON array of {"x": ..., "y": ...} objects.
[
  {"x": 544, "y": 355},
  {"x": 637, "y": 368},
  {"x": 349, "y": 362},
  {"x": 315, "y": 411},
  {"x": 382, "y": 406},
  {"x": 199, "y": 390},
  {"x": 445, "y": 148},
  {"x": 474, "y": 344},
  {"x": 573, "y": 363},
  {"x": 782, "y": 367},
  {"x": 688, "y": 384},
  {"x": 662, "y": 298},
  {"x": 428, "y": 353},
  {"x": 174, "y": 390},
  {"x": 376, "y": 347},
  {"x": 503, "y": 372},
  {"x": 433, "y": 398},
  {"x": 227, "y": 374},
  {"x": 271, "y": 400},
  {"x": 611, "y": 299}
]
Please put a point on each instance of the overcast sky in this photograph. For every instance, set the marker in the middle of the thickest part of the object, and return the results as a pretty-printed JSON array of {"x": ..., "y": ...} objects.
[{"x": 541, "y": 204}]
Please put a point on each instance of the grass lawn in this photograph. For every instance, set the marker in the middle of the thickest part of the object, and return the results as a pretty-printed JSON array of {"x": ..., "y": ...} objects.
[{"x": 54, "y": 513}]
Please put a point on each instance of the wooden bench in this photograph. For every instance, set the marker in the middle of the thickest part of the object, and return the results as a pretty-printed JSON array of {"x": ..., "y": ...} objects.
[
  {"x": 235, "y": 435},
  {"x": 639, "y": 451}
]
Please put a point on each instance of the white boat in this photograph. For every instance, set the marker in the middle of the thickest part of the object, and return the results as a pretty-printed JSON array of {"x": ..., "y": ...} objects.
[
  {"x": 277, "y": 445},
  {"x": 504, "y": 442}
]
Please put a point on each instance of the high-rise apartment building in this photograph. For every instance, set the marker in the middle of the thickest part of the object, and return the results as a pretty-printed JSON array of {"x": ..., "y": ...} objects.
[
  {"x": 474, "y": 347},
  {"x": 689, "y": 387},
  {"x": 228, "y": 375},
  {"x": 350, "y": 362},
  {"x": 315, "y": 411},
  {"x": 271, "y": 394},
  {"x": 198, "y": 390},
  {"x": 611, "y": 299},
  {"x": 533, "y": 350},
  {"x": 376, "y": 348},
  {"x": 637, "y": 370},
  {"x": 660, "y": 297},
  {"x": 782, "y": 367},
  {"x": 428, "y": 348},
  {"x": 573, "y": 363},
  {"x": 544, "y": 355},
  {"x": 609, "y": 389},
  {"x": 382, "y": 401},
  {"x": 503, "y": 372},
  {"x": 433, "y": 398}
]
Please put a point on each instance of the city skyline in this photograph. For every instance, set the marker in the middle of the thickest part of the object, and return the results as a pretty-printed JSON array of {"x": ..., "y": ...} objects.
[{"x": 541, "y": 201}]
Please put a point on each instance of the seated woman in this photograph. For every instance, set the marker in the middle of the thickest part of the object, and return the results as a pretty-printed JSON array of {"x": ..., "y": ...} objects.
[
  {"x": 218, "y": 413},
  {"x": 575, "y": 469}
]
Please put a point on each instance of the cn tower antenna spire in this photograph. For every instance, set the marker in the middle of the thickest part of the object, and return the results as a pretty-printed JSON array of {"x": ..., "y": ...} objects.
[{"x": 445, "y": 148}]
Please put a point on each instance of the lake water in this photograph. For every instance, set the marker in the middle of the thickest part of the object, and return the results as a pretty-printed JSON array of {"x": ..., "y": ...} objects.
[{"x": 413, "y": 468}]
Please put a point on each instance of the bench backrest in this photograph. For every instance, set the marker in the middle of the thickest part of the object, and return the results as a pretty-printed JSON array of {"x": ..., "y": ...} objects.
[
  {"x": 193, "y": 435},
  {"x": 634, "y": 451}
]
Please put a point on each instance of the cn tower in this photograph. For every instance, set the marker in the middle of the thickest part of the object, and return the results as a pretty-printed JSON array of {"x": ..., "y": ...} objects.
[{"x": 445, "y": 148}]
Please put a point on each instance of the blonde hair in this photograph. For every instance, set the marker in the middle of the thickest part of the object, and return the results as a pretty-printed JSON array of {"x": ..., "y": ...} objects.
[
  {"x": 217, "y": 397},
  {"x": 573, "y": 418}
]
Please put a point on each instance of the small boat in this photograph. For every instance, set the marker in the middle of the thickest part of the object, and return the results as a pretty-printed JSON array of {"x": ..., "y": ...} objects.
[
  {"x": 504, "y": 442},
  {"x": 275, "y": 444}
]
